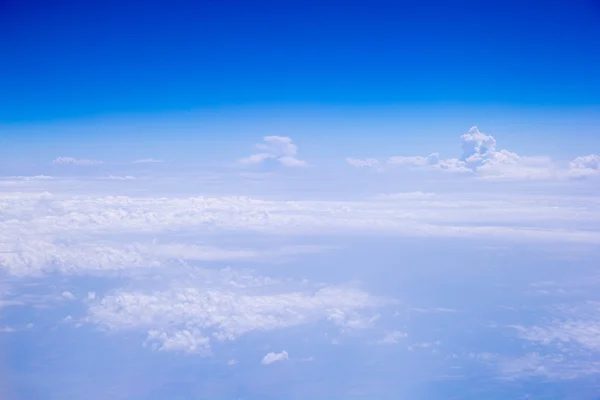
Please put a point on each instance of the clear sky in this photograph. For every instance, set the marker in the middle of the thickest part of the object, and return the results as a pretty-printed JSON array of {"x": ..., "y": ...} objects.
[
  {"x": 415, "y": 68},
  {"x": 70, "y": 59},
  {"x": 299, "y": 199}
]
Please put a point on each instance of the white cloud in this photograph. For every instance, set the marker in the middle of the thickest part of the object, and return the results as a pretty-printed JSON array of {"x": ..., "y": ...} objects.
[
  {"x": 292, "y": 162},
  {"x": 591, "y": 161},
  {"x": 480, "y": 157},
  {"x": 184, "y": 340},
  {"x": 75, "y": 161},
  {"x": 217, "y": 306},
  {"x": 567, "y": 345},
  {"x": 476, "y": 145},
  {"x": 393, "y": 337},
  {"x": 256, "y": 158},
  {"x": 278, "y": 145},
  {"x": 23, "y": 256},
  {"x": 119, "y": 178},
  {"x": 270, "y": 358},
  {"x": 147, "y": 161},
  {"x": 555, "y": 367},
  {"x": 43, "y": 233},
  {"x": 68, "y": 295},
  {"x": 585, "y": 166},
  {"x": 572, "y": 327},
  {"x": 366, "y": 163},
  {"x": 279, "y": 148},
  {"x": 406, "y": 196},
  {"x": 416, "y": 161}
]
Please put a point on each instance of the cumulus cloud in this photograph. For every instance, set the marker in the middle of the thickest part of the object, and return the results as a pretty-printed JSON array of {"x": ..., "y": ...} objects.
[
  {"x": 585, "y": 166},
  {"x": 479, "y": 157},
  {"x": 75, "y": 161},
  {"x": 279, "y": 148},
  {"x": 270, "y": 358},
  {"x": 185, "y": 340},
  {"x": 217, "y": 306}
]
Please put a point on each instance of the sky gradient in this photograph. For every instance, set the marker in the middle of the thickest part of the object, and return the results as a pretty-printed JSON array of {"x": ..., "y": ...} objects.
[
  {"x": 299, "y": 199},
  {"x": 72, "y": 59}
]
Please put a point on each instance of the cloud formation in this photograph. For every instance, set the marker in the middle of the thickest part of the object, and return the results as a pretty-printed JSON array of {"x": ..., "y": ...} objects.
[
  {"x": 41, "y": 233},
  {"x": 585, "y": 166},
  {"x": 75, "y": 161},
  {"x": 147, "y": 161},
  {"x": 270, "y": 358},
  {"x": 481, "y": 158},
  {"x": 279, "y": 148},
  {"x": 217, "y": 306}
]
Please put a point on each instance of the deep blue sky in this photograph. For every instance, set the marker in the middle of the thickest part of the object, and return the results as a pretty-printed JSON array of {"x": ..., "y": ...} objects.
[{"x": 71, "y": 59}]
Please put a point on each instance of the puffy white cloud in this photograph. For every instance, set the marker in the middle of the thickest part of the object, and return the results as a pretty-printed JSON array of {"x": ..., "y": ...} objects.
[
  {"x": 224, "y": 305},
  {"x": 75, "y": 161},
  {"x": 476, "y": 145},
  {"x": 270, "y": 358},
  {"x": 591, "y": 161},
  {"x": 278, "y": 145},
  {"x": 279, "y": 148},
  {"x": 480, "y": 158},
  {"x": 185, "y": 340},
  {"x": 585, "y": 166},
  {"x": 68, "y": 295}
]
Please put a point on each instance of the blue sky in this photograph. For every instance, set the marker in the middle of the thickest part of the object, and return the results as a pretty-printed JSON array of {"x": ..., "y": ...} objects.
[
  {"x": 406, "y": 72},
  {"x": 284, "y": 200},
  {"x": 76, "y": 60}
]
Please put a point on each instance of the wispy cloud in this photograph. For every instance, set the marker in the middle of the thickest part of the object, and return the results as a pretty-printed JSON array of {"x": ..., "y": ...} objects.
[
  {"x": 75, "y": 161},
  {"x": 147, "y": 161}
]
